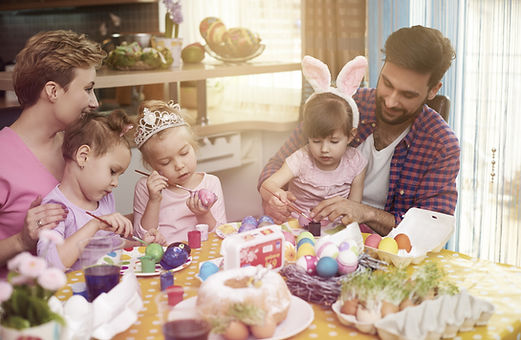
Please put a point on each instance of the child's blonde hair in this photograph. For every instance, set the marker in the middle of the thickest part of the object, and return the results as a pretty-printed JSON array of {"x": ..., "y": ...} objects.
[
  {"x": 100, "y": 132},
  {"x": 161, "y": 106},
  {"x": 326, "y": 112}
]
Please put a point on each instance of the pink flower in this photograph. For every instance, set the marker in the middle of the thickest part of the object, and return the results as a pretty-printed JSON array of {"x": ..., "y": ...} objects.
[
  {"x": 5, "y": 291},
  {"x": 32, "y": 266},
  {"x": 52, "y": 279},
  {"x": 48, "y": 235},
  {"x": 15, "y": 262}
]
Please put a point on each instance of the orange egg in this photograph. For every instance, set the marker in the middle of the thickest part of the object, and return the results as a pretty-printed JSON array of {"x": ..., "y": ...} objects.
[{"x": 403, "y": 242}]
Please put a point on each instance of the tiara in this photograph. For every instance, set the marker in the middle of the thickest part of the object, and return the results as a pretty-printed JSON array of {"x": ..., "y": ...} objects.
[{"x": 154, "y": 121}]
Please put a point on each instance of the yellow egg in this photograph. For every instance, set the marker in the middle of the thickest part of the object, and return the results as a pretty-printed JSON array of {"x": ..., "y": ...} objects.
[
  {"x": 364, "y": 235},
  {"x": 305, "y": 249},
  {"x": 389, "y": 245}
]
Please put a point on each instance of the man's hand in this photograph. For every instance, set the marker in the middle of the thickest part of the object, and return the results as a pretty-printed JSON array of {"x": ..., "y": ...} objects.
[{"x": 336, "y": 207}]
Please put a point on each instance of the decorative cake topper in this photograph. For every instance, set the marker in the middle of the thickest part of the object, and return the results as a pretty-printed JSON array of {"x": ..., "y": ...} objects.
[
  {"x": 319, "y": 77},
  {"x": 155, "y": 121}
]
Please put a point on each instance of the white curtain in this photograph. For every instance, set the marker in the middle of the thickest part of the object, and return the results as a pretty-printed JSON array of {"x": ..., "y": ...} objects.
[
  {"x": 484, "y": 86},
  {"x": 274, "y": 97}
]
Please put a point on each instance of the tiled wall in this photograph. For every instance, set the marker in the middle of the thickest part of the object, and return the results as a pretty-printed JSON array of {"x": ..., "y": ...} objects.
[{"x": 17, "y": 26}]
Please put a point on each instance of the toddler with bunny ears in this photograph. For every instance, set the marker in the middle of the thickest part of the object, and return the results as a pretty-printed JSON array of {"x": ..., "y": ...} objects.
[
  {"x": 326, "y": 166},
  {"x": 96, "y": 153},
  {"x": 168, "y": 146}
]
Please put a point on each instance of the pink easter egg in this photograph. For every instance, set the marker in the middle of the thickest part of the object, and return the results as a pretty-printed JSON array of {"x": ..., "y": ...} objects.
[
  {"x": 308, "y": 263},
  {"x": 373, "y": 240}
]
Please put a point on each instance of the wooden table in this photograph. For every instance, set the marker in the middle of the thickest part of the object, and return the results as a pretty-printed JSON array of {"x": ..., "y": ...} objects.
[{"x": 498, "y": 284}]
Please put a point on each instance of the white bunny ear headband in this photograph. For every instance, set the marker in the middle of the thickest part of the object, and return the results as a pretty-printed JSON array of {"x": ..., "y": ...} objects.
[{"x": 348, "y": 80}]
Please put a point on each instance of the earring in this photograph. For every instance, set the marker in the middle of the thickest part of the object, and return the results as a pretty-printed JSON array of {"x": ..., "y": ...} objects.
[{"x": 81, "y": 167}]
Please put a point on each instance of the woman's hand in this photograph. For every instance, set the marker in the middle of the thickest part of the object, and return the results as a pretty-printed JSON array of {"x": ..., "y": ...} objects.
[
  {"x": 154, "y": 236},
  {"x": 40, "y": 217},
  {"x": 156, "y": 183},
  {"x": 118, "y": 224}
]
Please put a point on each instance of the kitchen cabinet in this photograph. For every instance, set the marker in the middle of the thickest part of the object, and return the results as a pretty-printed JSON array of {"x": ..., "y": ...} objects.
[{"x": 13, "y": 5}]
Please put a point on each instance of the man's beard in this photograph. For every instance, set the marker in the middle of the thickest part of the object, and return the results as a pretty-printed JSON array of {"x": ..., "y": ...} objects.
[{"x": 402, "y": 118}]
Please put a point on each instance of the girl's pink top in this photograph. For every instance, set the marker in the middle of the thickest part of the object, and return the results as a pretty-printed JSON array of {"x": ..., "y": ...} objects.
[
  {"x": 175, "y": 219},
  {"x": 22, "y": 179},
  {"x": 312, "y": 185}
]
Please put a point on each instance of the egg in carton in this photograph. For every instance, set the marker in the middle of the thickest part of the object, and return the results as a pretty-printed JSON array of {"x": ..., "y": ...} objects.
[{"x": 428, "y": 231}]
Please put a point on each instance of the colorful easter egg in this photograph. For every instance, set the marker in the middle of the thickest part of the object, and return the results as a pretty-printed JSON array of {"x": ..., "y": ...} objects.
[
  {"x": 389, "y": 245},
  {"x": 327, "y": 267},
  {"x": 305, "y": 249},
  {"x": 207, "y": 269},
  {"x": 305, "y": 234},
  {"x": 365, "y": 235},
  {"x": 264, "y": 221},
  {"x": 403, "y": 242},
  {"x": 351, "y": 245},
  {"x": 305, "y": 240},
  {"x": 205, "y": 25},
  {"x": 303, "y": 221},
  {"x": 347, "y": 262},
  {"x": 247, "y": 227},
  {"x": 249, "y": 220},
  {"x": 328, "y": 249},
  {"x": 308, "y": 263},
  {"x": 373, "y": 240}
]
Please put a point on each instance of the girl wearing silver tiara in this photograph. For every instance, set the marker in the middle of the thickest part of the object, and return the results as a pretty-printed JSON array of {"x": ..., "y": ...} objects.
[
  {"x": 168, "y": 146},
  {"x": 326, "y": 166},
  {"x": 96, "y": 153}
]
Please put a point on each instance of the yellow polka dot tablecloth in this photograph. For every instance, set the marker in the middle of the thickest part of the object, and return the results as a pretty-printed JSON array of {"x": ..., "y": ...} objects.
[{"x": 495, "y": 283}]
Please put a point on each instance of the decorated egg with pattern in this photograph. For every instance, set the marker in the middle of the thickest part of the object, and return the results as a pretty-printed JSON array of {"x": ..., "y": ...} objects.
[{"x": 308, "y": 263}]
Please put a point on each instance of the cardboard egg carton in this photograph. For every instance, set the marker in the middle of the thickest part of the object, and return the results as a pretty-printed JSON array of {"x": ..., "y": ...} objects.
[
  {"x": 432, "y": 319},
  {"x": 427, "y": 230}
]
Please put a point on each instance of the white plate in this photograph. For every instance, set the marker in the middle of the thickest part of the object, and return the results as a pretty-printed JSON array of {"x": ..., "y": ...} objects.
[
  {"x": 125, "y": 257},
  {"x": 227, "y": 229},
  {"x": 300, "y": 316}
]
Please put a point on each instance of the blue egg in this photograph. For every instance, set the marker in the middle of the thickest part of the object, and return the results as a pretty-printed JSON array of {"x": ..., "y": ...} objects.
[
  {"x": 207, "y": 269},
  {"x": 305, "y": 240},
  {"x": 327, "y": 267}
]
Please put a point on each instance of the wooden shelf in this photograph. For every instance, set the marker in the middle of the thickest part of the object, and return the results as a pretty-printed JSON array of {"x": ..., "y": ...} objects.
[
  {"x": 106, "y": 78},
  {"x": 13, "y": 5}
]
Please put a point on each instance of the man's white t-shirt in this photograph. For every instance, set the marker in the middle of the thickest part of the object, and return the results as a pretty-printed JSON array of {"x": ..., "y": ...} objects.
[{"x": 376, "y": 183}]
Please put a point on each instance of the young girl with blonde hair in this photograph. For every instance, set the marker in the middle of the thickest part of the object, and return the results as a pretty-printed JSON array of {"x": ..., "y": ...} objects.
[
  {"x": 96, "y": 153},
  {"x": 168, "y": 147}
]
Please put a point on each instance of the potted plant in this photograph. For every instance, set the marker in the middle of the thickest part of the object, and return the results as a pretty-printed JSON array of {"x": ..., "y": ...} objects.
[
  {"x": 24, "y": 299},
  {"x": 171, "y": 40}
]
